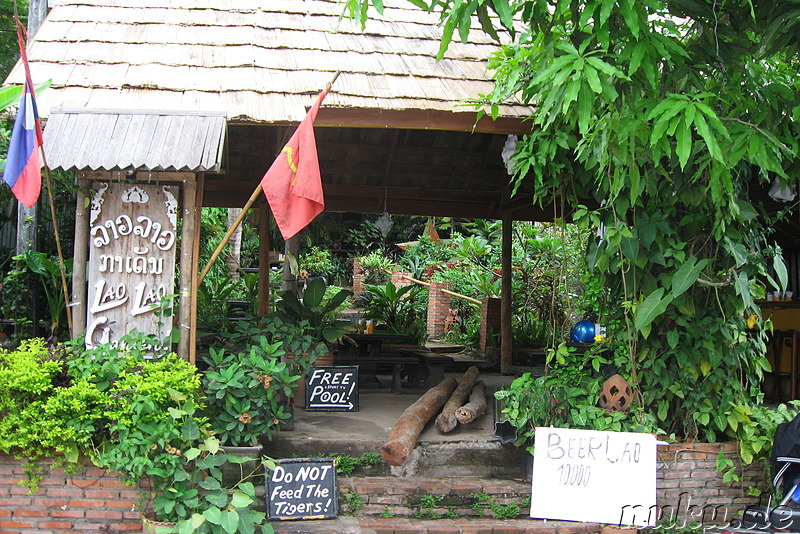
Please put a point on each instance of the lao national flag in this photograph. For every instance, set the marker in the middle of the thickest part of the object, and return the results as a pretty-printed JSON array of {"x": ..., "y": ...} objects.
[
  {"x": 23, "y": 172},
  {"x": 293, "y": 184}
]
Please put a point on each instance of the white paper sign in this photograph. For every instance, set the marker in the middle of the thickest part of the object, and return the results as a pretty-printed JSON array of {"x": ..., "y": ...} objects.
[{"x": 596, "y": 477}]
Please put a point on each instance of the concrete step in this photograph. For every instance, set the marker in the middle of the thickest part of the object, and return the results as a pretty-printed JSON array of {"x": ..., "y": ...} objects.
[{"x": 379, "y": 525}]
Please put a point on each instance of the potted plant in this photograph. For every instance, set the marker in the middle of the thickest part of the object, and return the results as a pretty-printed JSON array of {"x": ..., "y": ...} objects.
[
  {"x": 244, "y": 398},
  {"x": 318, "y": 312},
  {"x": 308, "y": 328}
]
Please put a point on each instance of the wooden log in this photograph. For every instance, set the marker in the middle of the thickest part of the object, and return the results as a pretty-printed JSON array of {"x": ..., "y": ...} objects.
[
  {"x": 447, "y": 421},
  {"x": 476, "y": 406},
  {"x": 403, "y": 437}
]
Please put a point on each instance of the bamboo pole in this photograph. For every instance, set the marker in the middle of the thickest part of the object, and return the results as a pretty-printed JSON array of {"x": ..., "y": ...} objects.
[
  {"x": 57, "y": 235},
  {"x": 453, "y": 293}
]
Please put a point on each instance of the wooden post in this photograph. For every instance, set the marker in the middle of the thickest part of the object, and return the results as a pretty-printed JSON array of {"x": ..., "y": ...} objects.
[
  {"x": 186, "y": 292},
  {"x": 506, "y": 345},
  {"x": 405, "y": 431},
  {"x": 263, "y": 260},
  {"x": 80, "y": 255},
  {"x": 447, "y": 419},
  {"x": 198, "y": 212}
]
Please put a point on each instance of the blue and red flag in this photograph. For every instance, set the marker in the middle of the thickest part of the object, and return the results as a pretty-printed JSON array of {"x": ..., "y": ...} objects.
[{"x": 23, "y": 172}]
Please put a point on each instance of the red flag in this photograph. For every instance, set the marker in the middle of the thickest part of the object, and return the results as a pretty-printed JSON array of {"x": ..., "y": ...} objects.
[
  {"x": 293, "y": 184},
  {"x": 23, "y": 172}
]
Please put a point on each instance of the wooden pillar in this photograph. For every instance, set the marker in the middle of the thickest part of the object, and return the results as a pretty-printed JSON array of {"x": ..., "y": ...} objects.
[
  {"x": 80, "y": 255},
  {"x": 292, "y": 249},
  {"x": 198, "y": 212},
  {"x": 186, "y": 291},
  {"x": 263, "y": 260},
  {"x": 506, "y": 345}
]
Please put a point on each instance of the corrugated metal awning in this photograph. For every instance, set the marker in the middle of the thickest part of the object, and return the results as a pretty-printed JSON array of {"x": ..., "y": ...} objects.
[{"x": 105, "y": 139}]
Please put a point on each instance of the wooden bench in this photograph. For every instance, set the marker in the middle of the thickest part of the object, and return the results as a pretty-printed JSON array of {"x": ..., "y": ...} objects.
[
  {"x": 401, "y": 363},
  {"x": 432, "y": 365}
]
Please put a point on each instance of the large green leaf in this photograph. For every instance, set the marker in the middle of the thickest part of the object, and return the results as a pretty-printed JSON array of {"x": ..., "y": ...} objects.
[
  {"x": 686, "y": 275},
  {"x": 780, "y": 271},
  {"x": 11, "y": 95},
  {"x": 653, "y": 306}
]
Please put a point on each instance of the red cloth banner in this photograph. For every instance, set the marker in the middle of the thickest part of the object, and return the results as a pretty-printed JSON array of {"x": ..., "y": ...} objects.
[{"x": 293, "y": 184}]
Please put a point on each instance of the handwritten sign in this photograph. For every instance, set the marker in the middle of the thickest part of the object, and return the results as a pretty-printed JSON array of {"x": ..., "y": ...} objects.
[
  {"x": 302, "y": 488},
  {"x": 133, "y": 239},
  {"x": 332, "y": 389},
  {"x": 596, "y": 477}
]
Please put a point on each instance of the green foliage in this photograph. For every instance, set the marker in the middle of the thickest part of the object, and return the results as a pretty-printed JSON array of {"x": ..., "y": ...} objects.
[
  {"x": 397, "y": 308},
  {"x": 318, "y": 313},
  {"x": 660, "y": 124},
  {"x": 567, "y": 396},
  {"x": 427, "y": 507},
  {"x": 245, "y": 392},
  {"x": 346, "y": 464},
  {"x": 317, "y": 261},
  {"x": 352, "y": 503},
  {"x": 754, "y": 427},
  {"x": 376, "y": 267}
]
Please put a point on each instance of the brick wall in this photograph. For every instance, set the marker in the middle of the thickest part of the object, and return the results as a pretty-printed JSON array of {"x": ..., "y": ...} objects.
[
  {"x": 358, "y": 277},
  {"x": 399, "y": 280},
  {"x": 88, "y": 500},
  {"x": 690, "y": 488}
]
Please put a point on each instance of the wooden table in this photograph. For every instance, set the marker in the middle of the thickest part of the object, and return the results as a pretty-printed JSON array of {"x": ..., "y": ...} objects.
[{"x": 367, "y": 354}]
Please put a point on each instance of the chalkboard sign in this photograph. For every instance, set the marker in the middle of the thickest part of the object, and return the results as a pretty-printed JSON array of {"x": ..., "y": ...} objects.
[
  {"x": 332, "y": 389},
  {"x": 302, "y": 488},
  {"x": 611, "y": 474}
]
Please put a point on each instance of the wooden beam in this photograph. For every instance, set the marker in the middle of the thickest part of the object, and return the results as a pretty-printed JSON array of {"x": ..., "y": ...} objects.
[{"x": 420, "y": 119}]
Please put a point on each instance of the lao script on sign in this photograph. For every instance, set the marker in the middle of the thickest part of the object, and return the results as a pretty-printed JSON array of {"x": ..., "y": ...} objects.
[
  {"x": 596, "y": 477},
  {"x": 132, "y": 241}
]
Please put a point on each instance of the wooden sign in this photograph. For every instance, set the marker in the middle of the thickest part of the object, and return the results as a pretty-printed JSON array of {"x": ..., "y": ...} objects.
[
  {"x": 132, "y": 241},
  {"x": 302, "y": 488},
  {"x": 332, "y": 389},
  {"x": 593, "y": 476}
]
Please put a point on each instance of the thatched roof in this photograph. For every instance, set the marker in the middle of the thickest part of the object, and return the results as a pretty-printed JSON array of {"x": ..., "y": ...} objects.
[
  {"x": 392, "y": 134},
  {"x": 258, "y": 61}
]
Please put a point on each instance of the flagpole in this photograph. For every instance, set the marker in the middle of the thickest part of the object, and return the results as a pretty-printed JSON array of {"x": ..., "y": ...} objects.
[
  {"x": 22, "y": 33},
  {"x": 58, "y": 240},
  {"x": 253, "y": 197}
]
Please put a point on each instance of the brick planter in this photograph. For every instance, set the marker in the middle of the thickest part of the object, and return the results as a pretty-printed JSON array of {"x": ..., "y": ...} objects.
[
  {"x": 689, "y": 489},
  {"x": 88, "y": 500}
]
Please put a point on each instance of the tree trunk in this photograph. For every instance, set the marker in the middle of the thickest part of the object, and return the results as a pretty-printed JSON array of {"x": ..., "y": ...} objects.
[
  {"x": 447, "y": 421},
  {"x": 403, "y": 437},
  {"x": 292, "y": 255},
  {"x": 476, "y": 406},
  {"x": 234, "y": 258}
]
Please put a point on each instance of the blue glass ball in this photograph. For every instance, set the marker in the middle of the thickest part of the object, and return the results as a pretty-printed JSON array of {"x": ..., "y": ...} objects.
[{"x": 583, "y": 332}]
